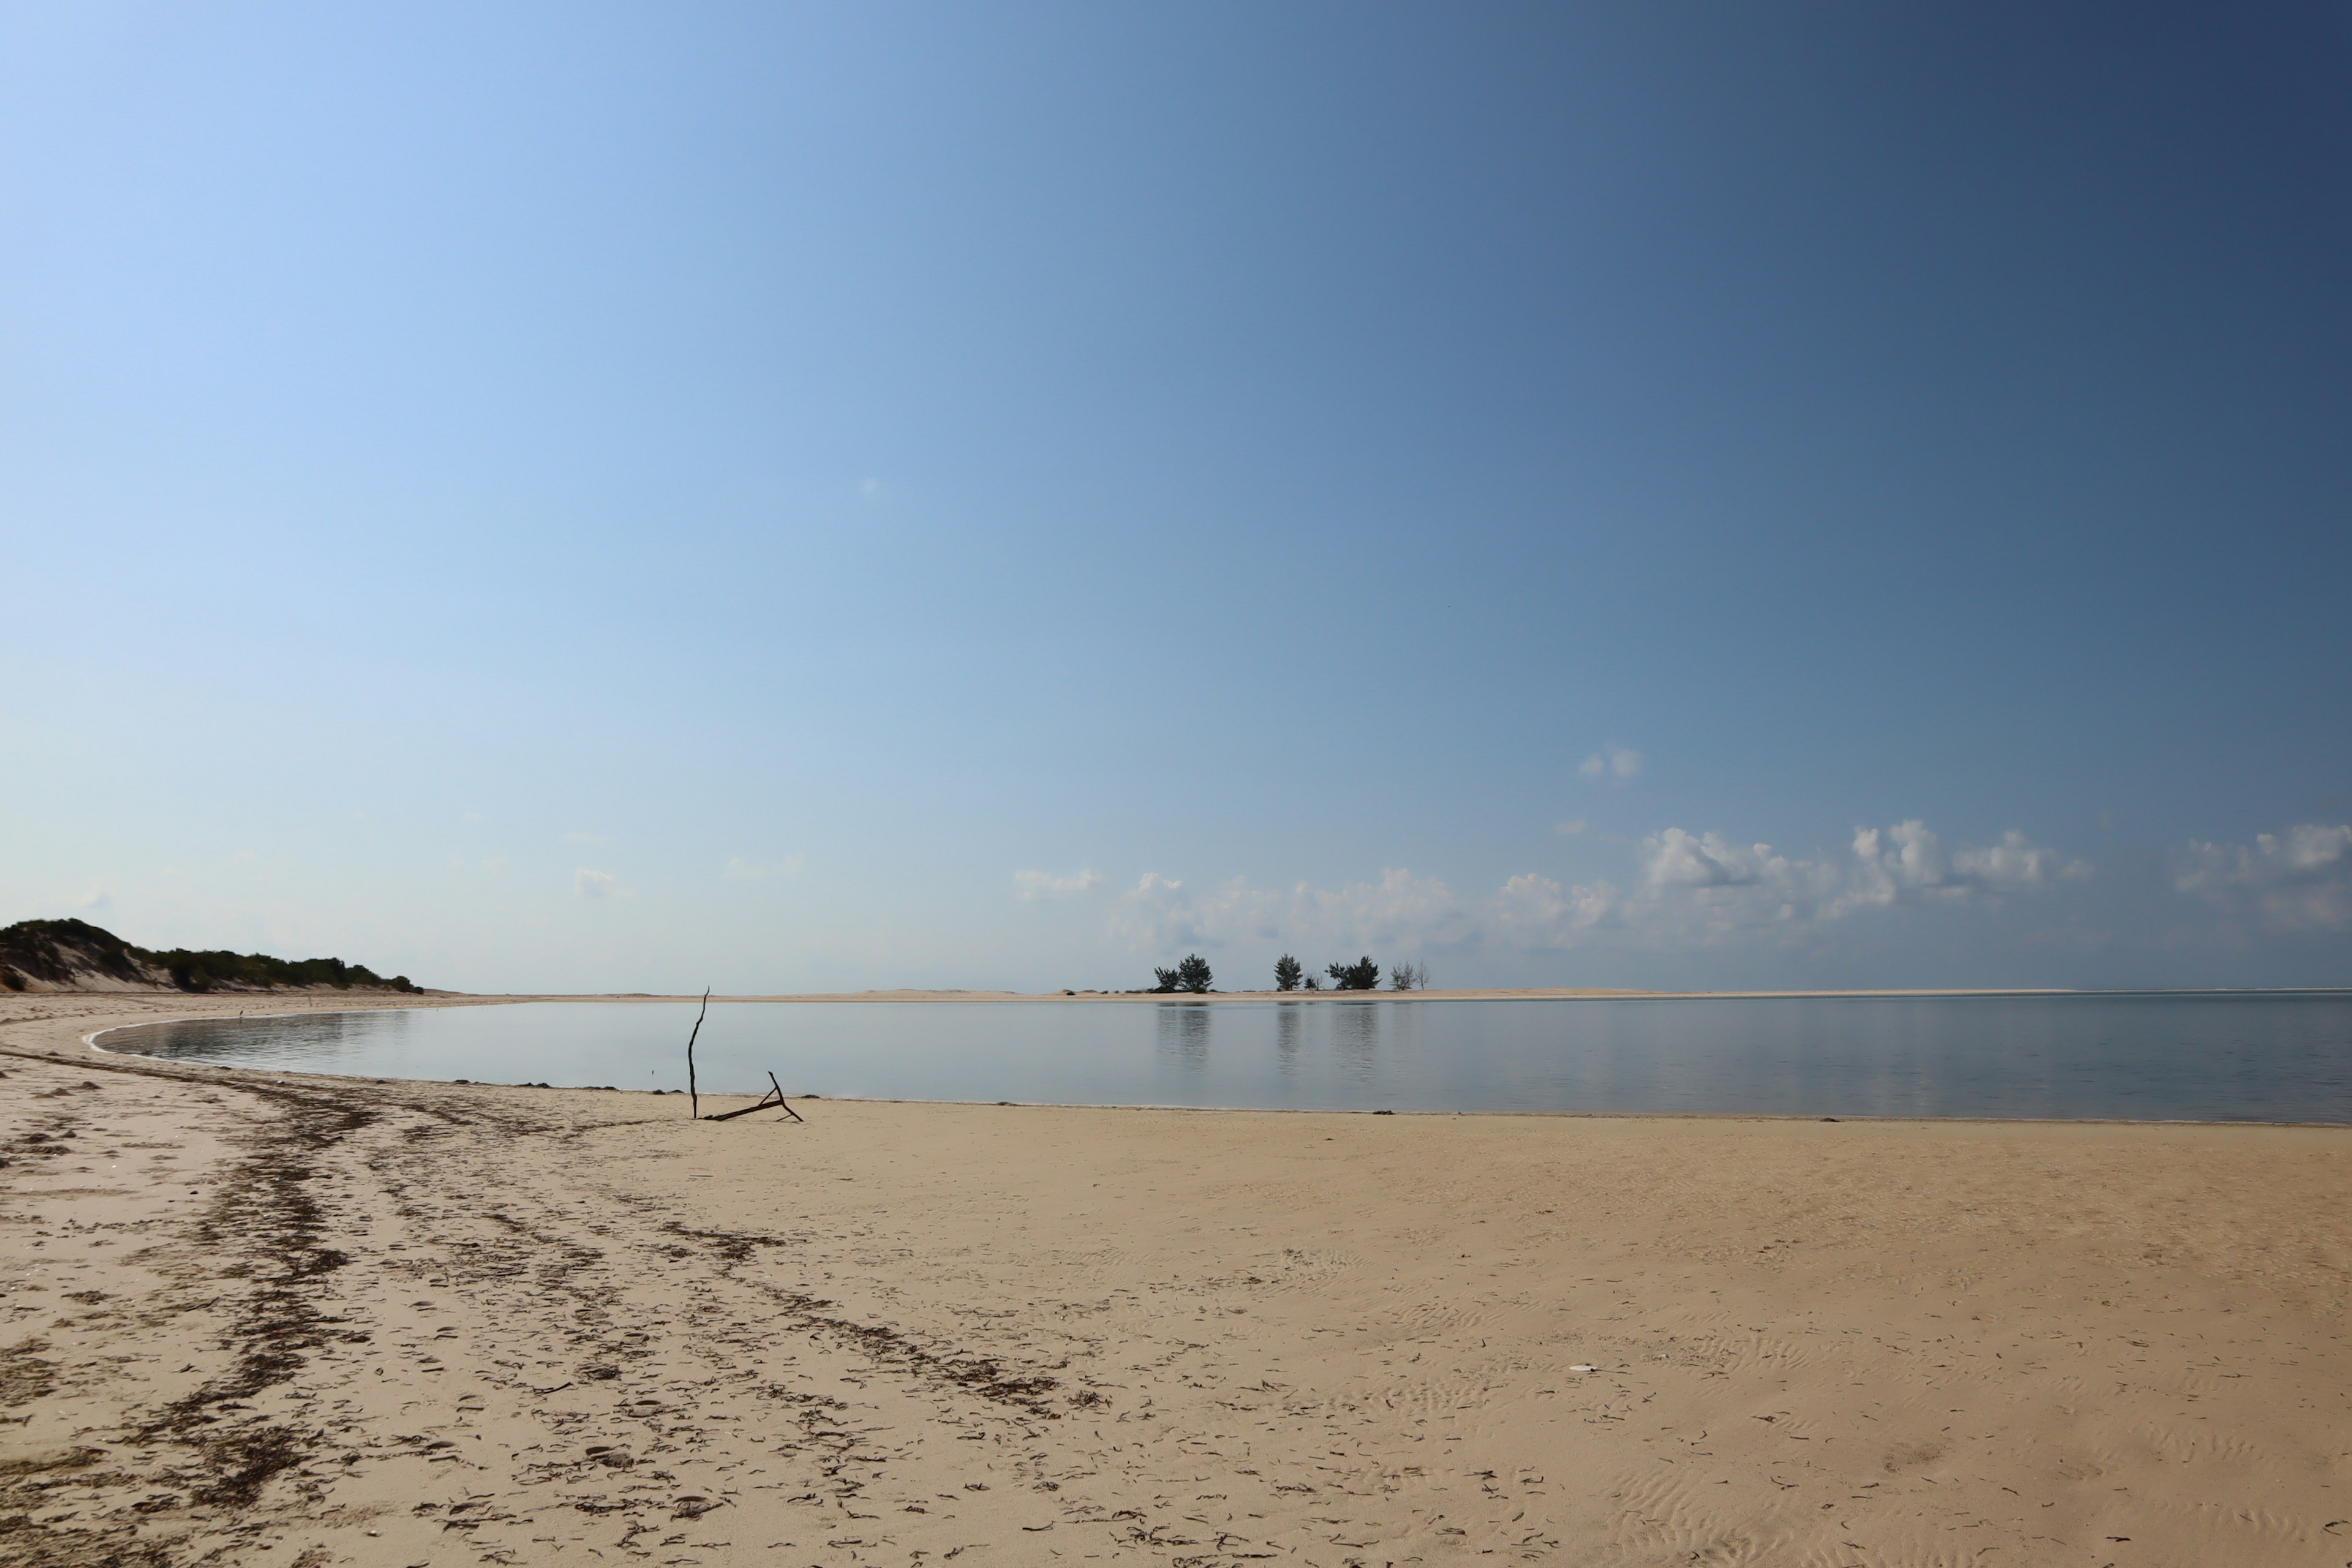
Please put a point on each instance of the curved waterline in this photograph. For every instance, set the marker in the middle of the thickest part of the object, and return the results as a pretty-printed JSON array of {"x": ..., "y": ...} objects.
[{"x": 2270, "y": 1057}]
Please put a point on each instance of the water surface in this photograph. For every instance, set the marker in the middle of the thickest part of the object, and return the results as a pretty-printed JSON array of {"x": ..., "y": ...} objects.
[{"x": 2225, "y": 1057}]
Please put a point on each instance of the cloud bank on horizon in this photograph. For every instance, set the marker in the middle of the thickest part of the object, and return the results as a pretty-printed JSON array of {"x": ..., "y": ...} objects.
[
  {"x": 1706, "y": 889},
  {"x": 2300, "y": 880},
  {"x": 1699, "y": 890}
]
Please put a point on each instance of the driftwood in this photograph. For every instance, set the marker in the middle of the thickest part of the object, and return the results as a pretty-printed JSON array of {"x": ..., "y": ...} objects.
[
  {"x": 772, "y": 1100},
  {"x": 694, "y": 1100}
]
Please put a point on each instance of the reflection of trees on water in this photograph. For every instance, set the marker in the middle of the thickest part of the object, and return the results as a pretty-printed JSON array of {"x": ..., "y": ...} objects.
[
  {"x": 1183, "y": 1033},
  {"x": 1289, "y": 1030},
  {"x": 299, "y": 1041},
  {"x": 1356, "y": 1038}
]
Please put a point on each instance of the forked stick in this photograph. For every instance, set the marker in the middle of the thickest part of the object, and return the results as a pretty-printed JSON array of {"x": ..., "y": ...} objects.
[
  {"x": 780, "y": 1099},
  {"x": 772, "y": 1100}
]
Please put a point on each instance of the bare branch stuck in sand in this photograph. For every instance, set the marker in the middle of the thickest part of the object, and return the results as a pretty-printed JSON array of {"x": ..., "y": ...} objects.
[{"x": 693, "y": 1095}]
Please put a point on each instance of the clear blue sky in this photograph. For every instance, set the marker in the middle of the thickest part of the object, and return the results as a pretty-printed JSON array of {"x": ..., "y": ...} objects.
[{"x": 636, "y": 497}]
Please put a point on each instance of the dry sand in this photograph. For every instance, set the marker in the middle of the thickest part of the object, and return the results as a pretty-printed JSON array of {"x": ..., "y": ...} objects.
[{"x": 256, "y": 1318}]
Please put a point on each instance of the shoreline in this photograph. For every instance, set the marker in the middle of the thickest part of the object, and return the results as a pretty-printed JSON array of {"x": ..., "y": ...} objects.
[
  {"x": 317, "y": 1319},
  {"x": 1858, "y": 1117},
  {"x": 1178, "y": 998},
  {"x": 1488, "y": 994}
]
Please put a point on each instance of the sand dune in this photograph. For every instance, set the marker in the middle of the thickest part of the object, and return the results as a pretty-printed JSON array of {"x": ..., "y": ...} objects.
[{"x": 261, "y": 1318}]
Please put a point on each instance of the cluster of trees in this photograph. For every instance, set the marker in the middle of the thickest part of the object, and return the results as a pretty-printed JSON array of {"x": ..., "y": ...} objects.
[
  {"x": 1364, "y": 974},
  {"x": 1191, "y": 975}
]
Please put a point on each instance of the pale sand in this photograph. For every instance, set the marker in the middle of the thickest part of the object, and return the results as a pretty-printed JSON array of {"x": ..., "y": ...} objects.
[{"x": 261, "y": 1319}]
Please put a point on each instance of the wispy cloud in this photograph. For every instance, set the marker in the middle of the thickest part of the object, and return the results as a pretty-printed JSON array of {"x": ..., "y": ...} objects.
[
  {"x": 1036, "y": 887},
  {"x": 1569, "y": 829},
  {"x": 588, "y": 838},
  {"x": 589, "y": 884},
  {"x": 2298, "y": 880},
  {"x": 1613, "y": 762},
  {"x": 1399, "y": 910}
]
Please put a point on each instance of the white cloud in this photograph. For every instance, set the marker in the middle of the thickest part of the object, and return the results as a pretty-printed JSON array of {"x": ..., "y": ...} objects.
[
  {"x": 588, "y": 884},
  {"x": 1611, "y": 761},
  {"x": 99, "y": 899},
  {"x": 2013, "y": 864},
  {"x": 1571, "y": 829},
  {"x": 1036, "y": 887},
  {"x": 1156, "y": 912},
  {"x": 1908, "y": 858},
  {"x": 1694, "y": 890},
  {"x": 1715, "y": 884},
  {"x": 2298, "y": 881},
  {"x": 738, "y": 869},
  {"x": 1530, "y": 910},
  {"x": 1677, "y": 859}
]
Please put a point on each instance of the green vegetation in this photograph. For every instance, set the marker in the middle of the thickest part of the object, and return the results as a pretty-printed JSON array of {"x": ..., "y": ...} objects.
[
  {"x": 205, "y": 970},
  {"x": 1364, "y": 974},
  {"x": 62, "y": 953},
  {"x": 1191, "y": 975},
  {"x": 1285, "y": 974}
]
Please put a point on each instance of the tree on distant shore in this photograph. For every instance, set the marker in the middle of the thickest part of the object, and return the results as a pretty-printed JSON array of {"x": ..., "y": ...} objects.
[
  {"x": 1285, "y": 974},
  {"x": 1311, "y": 984},
  {"x": 1409, "y": 978},
  {"x": 1364, "y": 974},
  {"x": 1191, "y": 974}
]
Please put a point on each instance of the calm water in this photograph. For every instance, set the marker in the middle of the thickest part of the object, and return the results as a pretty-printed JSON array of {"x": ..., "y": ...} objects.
[{"x": 2274, "y": 1056}]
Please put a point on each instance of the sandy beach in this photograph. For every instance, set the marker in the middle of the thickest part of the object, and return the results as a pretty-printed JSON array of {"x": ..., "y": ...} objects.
[{"x": 264, "y": 1318}]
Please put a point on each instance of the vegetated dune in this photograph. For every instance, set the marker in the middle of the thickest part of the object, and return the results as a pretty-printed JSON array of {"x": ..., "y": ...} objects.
[{"x": 74, "y": 955}]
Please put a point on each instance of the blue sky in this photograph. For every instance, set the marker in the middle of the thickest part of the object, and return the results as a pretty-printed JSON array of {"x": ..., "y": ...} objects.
[{"x": 628, "y": 498}]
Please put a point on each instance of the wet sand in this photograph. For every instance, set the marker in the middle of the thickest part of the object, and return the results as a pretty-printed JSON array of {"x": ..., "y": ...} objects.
[{"x": 270, "y": 1318}]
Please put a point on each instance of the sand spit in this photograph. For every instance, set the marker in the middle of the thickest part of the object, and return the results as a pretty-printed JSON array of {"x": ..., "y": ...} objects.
[{"x": 261, "y": 1318}]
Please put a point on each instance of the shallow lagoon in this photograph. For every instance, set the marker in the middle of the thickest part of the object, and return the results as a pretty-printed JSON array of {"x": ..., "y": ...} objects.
[{"x": 2258, "y": 1057}]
